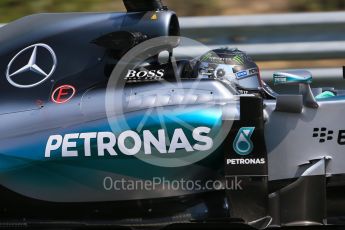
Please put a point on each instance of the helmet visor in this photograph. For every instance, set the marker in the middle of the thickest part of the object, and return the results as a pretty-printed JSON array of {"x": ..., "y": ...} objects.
[
  {"x": 248, "y": 79},
  {"x": 250, "y": 82}
]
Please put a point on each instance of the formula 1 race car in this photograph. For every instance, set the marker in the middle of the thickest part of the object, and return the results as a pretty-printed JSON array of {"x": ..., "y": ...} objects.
[{"x": 100, "y": 128}]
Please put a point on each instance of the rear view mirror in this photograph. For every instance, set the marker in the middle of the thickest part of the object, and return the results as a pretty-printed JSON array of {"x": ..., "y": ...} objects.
[
  {"x": 301, "y": 77},
  {"x": 293, "y": 77}
]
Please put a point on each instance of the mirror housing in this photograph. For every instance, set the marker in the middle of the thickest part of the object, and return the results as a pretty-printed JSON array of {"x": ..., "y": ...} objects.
[
  {"x": 301, "y": 77},
  {"x": 293, "y": 77}
]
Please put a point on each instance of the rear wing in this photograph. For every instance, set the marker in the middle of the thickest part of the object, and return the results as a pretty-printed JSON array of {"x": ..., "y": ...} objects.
[{"x": 144, "y": 5}]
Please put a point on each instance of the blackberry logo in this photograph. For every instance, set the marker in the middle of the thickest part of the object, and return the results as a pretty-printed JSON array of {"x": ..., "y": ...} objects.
[{"x": 323, "y": 134}]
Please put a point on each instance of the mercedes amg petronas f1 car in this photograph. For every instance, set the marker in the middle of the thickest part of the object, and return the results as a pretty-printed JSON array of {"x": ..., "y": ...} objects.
[{"x": 98, "y": 126}]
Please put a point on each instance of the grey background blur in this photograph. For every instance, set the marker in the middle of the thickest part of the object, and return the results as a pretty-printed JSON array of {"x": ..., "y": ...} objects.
[{"x": 13, "y": 9}]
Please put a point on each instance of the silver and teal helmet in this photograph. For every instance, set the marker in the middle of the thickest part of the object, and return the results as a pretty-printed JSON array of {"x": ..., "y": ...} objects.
[{"x": 232, "y": 66}]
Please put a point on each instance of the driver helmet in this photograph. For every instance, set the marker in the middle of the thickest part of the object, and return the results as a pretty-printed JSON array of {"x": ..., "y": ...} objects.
[{"x": 232, "y": 66}]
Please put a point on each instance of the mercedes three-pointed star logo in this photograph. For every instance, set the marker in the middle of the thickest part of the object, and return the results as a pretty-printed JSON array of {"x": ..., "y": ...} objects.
[{"x": 31, "y": 66}]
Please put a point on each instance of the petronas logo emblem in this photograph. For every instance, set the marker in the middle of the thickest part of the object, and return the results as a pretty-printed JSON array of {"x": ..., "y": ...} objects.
[{"x": 243, "y": 145}]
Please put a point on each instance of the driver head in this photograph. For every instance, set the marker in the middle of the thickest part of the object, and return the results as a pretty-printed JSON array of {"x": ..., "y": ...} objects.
[{"x": 232, "y": 66}]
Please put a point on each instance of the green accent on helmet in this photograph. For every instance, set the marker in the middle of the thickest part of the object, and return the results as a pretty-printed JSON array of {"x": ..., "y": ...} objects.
[
  {"x": 324, "y": 95},
  {"x": 239, "y": 59},
  {"x": 206, "y": 57}
]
